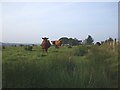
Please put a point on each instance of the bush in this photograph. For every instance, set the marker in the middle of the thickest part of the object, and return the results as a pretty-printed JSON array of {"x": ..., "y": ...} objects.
[
  {"x": 80, "y": 51},
  {"x": 3, "y": 47},
  {"x": 69, "y": 46},
  {"x": 21, "y": 45},
  {"x": 28, "y": 48}
]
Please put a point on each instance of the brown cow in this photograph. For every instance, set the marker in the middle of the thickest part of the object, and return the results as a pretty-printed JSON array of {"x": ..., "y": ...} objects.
[
  {"x": 57, "y": 43},
  {"x": 45, "y": 44}
]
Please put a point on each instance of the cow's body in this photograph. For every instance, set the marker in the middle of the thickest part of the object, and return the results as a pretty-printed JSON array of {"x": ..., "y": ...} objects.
[
  {"x": 57, "y": 43},
  {"x": 45, "y": 44}
]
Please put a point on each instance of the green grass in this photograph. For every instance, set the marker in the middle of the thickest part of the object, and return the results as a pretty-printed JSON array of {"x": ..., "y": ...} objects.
[
  {"x": 76, "y": 67},
  {"x": 0, "y": 68}
]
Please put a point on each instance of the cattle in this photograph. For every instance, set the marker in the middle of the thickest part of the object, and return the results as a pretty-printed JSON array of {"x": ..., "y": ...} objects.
[
  {"x": 45, "y": 44},
  {"x": 98, "y": 43},
  {"x": 57, "y": 43}
]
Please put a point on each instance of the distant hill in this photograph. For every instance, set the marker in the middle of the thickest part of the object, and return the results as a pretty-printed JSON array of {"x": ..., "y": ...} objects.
[{"x": 12, "y": 44}]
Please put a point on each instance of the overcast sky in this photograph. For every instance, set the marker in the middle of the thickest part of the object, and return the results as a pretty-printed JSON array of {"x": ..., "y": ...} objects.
[{"x": 29, "y": 22}]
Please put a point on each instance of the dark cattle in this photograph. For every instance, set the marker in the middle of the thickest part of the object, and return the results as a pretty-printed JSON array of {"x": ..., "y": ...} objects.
[
  {"x": 98, "y": 43},
  {"x": 45, "y": 44},
  {"x": 57, "y": 43}
]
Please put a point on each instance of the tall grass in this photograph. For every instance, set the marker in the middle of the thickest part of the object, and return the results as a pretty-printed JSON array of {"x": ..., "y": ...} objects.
[
  {"x": 76, "y": 67},
  {"x": 0, "y": 67}
]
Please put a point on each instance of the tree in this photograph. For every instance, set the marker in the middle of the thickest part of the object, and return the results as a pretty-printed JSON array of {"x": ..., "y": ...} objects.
[
  {"x": 89, "y": 40},
  {"x": 75, "y": 41},
  {"x": 69, "y": 41},
  {"x": 64, "y": 40}
]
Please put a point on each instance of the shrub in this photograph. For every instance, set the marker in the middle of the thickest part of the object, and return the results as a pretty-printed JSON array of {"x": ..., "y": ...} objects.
[
  {"x": 69, "y": 46},
  {"x": 80, "y": 51},
  {"x": 21, "y": 45},
  {"x": 28, "y": 48},
  {"x": 3, "y": 47}
]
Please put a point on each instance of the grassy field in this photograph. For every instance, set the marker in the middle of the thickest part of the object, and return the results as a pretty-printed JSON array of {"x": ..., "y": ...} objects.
[
  {"x": 76, "y": 67},
  {"x": 0, "y": 67}
]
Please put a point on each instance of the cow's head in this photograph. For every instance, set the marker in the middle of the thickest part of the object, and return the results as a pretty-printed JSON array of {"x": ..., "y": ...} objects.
[{"x": 45, "y": 38}]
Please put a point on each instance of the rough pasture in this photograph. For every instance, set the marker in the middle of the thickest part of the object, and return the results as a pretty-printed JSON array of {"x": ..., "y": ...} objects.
[{"x": 77, "y": 67}]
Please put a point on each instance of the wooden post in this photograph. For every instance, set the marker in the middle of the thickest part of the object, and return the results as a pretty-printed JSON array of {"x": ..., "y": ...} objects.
[{"x": 113, "y": 45}]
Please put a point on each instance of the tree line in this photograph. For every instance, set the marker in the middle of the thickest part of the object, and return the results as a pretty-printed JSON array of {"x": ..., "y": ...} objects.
[
  {"x": 74, "y": 41},
  {"x": 88, "y": 41}
]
